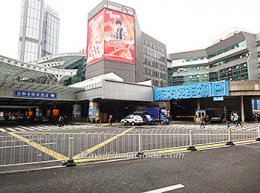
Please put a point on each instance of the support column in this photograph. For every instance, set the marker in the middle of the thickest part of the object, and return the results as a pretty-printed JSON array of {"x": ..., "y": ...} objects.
[
  {"x": 198, "y": 104},
  {"x": 242, "y": 109},
  {"x": 168, "y": 105}
]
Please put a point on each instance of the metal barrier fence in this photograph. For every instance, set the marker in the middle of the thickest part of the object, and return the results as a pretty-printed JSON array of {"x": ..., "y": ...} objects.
[{"x": 41, "y": 148}]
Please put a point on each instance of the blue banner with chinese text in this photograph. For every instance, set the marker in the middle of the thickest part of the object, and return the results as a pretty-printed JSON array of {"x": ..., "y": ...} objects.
[
  {"x": 32, "y": 94},
  {"x": 201, "y": 90}
]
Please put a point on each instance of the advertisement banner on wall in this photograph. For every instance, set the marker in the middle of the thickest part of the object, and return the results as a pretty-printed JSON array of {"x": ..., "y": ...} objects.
[
  {"x": 76, "y": 110},
  {"x": 95, "y": 45},
  {"x": 55, "y": 112},
  {"x": 119, "y": 33}
]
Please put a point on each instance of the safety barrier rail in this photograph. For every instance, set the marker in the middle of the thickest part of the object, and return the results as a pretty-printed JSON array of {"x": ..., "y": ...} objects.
[{"x": 22, "y": 148}]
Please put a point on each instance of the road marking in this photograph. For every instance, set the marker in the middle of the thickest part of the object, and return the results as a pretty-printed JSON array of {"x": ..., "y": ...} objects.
[
  {"x": 2, "y": 130},
  {"x": 43, "y": 128},
  {"x": 50, "y": 152},
  {"x": 10, "y": 129},
  {"x": 28, "y": 170},
  {"x": 166, "y": 189},
  {"x": 36, "y": 129},
  {"x": 19, "y": 129},
  {"x": 98, "y": 146},
  {"x": 50, "y": 127},
  {"x": 244, "y": 141},
  {"x": 27, "y": 128}
]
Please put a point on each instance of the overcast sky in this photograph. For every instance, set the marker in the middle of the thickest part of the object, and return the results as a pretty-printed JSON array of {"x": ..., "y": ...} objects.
[{"x": 180, "y": 24}]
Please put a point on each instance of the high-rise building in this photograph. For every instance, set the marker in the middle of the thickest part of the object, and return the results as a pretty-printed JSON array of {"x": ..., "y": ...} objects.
[
  {"x": 39, "y": 30},
  {"x": 117, "y": 44},
  {"x": 155, "y": 63},
  {"x": 232, "y": 58},
  {"x": 50, "y": 35}
]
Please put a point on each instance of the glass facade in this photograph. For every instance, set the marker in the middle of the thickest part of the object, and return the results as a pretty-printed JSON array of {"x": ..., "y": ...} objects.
[
  {"x": 232, "y": 47},
  {"x": 189, "y": 79},
  {"x": 257, "y": 43},
  {"x": 38, "y": 28},
  {"x": 236, "y": 72},
  {"x": 50, "y": 32},
  {"x": 80, "y": 65},
  {"x": 196, "y": 73},
  {"x": 222, "y": 62}
]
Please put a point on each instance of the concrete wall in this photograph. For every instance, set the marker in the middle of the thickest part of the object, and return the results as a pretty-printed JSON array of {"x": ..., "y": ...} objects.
[
  {"x": 226, "y": 43},
  {"x": 118, "y": 91},
  {"x": 189, "y": 54},
  {"x": 244, "y": 88},
  {"x": 252, "y": 59},
  {"x": 126, "y": 91}
]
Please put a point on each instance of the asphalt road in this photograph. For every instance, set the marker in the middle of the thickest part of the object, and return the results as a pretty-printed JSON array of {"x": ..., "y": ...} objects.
[{"x": 230, "y": 170}]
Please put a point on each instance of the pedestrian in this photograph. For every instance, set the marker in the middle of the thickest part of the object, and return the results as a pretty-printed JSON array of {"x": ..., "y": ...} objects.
[
  {"x": 195, "y": 118},
  {"x": 202, "y": 121},
  {"x": 206, "y": 119},
  {"x": 256, "y": 118},
  {"x": 61, "y": 119},
  {"x": 65, "y": 120},
  {"x": 228, "y": 120},
  {"x": 235, "y": 120},
  {"x": 110, "y": 119},
  {"x": 239, "y": 121}
]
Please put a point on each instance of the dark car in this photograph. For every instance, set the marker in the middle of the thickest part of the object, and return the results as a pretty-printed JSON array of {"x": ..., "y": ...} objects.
[
  {"x": 147, "y": 120},
  {"x": 216, "y": 119}
]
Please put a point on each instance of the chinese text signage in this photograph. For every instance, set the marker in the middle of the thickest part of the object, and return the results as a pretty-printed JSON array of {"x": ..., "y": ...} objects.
[
  {"x": 201, "y": 90},
  {"x": 30, "y": 94}
]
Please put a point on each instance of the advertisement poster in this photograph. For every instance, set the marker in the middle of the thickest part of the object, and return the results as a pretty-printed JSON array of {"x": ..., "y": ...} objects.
[
  {"x": 95, "y": 49},
  {"x": 56, "y": 112},
  {"x": 119, "y": 37}
]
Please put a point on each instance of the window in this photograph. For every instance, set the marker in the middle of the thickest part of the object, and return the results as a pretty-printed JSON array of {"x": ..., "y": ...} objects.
[{"x": 241, "y": 44}]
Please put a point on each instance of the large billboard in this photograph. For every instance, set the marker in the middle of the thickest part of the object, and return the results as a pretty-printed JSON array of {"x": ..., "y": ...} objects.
[
  {"x": 111, "y": 36},
  {"x": 119, "y": 37},
  {"x": 95, "y": 45}
]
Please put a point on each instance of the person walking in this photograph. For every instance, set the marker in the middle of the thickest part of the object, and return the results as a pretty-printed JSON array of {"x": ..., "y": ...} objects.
[
  {"x": 195, "y": 118},
  {"x": 256, "y": 118},
  {"x": 65, "y": 120},
  {"x": 228, "y": 120},
  {"x": 239, "y": 121},
  {"x": 202, "y": 121},
  {"x": 235, "y": 120},
  {"x": 110, "y": 119},
  {"x": 61, "y": 121},
  {"x": 207, "y": 119}
]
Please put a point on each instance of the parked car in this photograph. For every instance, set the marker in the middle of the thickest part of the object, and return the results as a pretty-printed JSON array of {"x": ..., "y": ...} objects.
[
  {"x": 132, "y": 120},
  {"x": 147, "y": 120},
  {"x": 215, "y": 119}
]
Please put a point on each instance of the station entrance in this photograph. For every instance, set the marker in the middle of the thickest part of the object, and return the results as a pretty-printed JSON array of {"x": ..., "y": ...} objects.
[
  {"x": 26, "y": 111},
  {"x": 185, "y": 109},
  {"x": 99, "y": 110}
]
